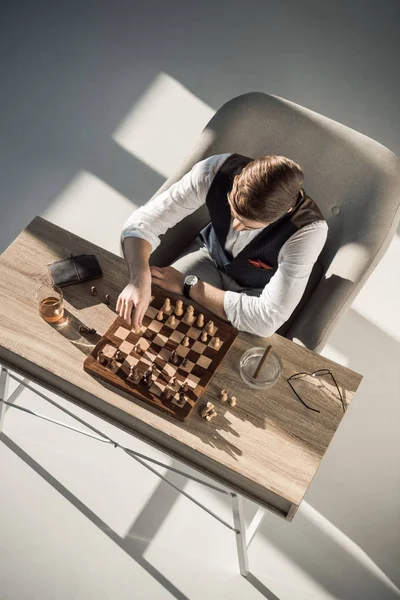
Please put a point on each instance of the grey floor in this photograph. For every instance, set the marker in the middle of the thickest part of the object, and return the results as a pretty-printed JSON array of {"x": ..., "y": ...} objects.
[{"x": 100, "y": 102}]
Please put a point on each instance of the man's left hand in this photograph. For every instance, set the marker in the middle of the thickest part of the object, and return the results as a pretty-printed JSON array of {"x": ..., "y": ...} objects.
[{"x": 168, "y": 279}]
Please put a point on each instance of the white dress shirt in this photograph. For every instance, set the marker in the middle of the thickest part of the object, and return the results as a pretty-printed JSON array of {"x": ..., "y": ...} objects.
[{"x": 263, "y": 314}]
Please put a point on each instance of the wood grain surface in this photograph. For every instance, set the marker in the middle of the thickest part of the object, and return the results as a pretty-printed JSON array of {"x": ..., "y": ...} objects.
[{"x": 268, "y": 447}]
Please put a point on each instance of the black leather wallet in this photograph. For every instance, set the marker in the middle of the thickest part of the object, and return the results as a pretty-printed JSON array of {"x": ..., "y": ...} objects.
[{"x": 74, "y": 269}]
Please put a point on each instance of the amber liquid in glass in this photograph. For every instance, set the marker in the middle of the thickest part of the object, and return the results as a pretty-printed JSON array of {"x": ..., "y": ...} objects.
[{"x": 51, "y": 309}]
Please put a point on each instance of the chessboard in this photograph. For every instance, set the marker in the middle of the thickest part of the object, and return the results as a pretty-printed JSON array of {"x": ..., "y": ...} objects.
[{"x": 172, "y": 357}]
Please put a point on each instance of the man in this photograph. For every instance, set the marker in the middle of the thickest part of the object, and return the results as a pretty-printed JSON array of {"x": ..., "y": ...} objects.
[{"x": 251, "y": 263}]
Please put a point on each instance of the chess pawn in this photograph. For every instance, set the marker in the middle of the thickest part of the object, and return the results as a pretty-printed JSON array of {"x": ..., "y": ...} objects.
[
  {"x": 184, "y": 387},
  {"x": 118, "y": 356},
  {"x": 185, "y": 362},
  {"x": 160, "y": 315},
  {"x": 93, "y": 290},
  {"x": 189, "y": 317},
  {"x": 101, "y": 358},
  {"x": 210, "y": 328},
  {"x": 200, "y": 321},
  {"x": 113, "y": 364},
  {"x": 174, "y": 382},
  {"x": 232, "y": 400},
  {"x": 223, "y": 395},
  {"x": 179, "y": 308},
  {"x": 216, "y": 343},
  {"x": 166, "y": 306},
  {"x": 182, "y": 398},
  {"x": 153, "y": 368},
  {"x": 185, "y": 341},
  {"x": 204, "y": 336},
  {"x": 171, "y": 321},
  {"x": 107, "y": 300}
]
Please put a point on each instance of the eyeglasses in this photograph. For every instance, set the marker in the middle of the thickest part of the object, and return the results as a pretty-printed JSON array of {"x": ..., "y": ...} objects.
[{"x": 318, "y": 373}]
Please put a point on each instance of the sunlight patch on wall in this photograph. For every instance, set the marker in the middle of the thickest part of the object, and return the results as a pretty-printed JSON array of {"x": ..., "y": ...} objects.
[
  {"x": 163, "y": 125},
  {"x": 91, "y": 209},
  {"x": 378, "y": 301}
]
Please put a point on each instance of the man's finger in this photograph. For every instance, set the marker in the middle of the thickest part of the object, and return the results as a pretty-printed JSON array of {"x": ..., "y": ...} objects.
[
  {"x": 158, "y": 272},
  {"x": 119, "y": 302},
  {"x": 128, "y": 310}
]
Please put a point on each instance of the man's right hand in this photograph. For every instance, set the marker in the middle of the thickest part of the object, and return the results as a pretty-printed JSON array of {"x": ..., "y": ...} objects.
[{"x": 135, "y": 298}]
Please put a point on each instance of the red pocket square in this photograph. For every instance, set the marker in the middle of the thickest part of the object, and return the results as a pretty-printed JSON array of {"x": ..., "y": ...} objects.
[{"x": 259, "y": 263}]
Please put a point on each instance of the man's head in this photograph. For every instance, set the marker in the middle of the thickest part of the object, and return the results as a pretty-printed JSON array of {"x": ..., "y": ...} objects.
[{"x": 264, "y": 191}]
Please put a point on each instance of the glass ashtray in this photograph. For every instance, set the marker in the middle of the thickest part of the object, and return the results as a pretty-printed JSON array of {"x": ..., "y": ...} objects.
[{"x": 269, "y": 373}]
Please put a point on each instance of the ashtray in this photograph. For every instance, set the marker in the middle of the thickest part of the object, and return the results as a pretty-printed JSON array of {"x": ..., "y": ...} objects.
[{"x": 269, "y": 373}]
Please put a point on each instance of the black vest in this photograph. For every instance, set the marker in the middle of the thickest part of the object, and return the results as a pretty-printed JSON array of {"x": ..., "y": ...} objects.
[{"x": 266, "y": 245}]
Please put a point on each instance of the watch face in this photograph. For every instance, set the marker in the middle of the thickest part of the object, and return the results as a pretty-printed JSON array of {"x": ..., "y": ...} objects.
[{"x": 191, "y": 280}]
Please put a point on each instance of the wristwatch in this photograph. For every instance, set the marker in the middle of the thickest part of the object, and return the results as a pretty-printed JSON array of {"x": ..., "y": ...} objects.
[{"x": 189, "y": 282}]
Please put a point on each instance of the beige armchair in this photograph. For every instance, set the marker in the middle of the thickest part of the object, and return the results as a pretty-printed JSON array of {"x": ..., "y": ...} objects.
[{"x": 354, "y": 180}]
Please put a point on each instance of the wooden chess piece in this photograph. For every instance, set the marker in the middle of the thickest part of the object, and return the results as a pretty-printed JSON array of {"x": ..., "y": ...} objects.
[
  {"x": 167, "y": 394},
  {"x": 216, "y": 343},
  {"x": 182, "y": 398},
  {"x": 174, "y": 382},
  {"x": 185, "y": 362},
  {"x": 171, "y": 321},
  {"x": 93, "y": 290},
  {"x": 207, "y": 409},
  {"x": 119, "y": 356},
  {"x": 179, "y": 308},
  {"x": 101, "y": 357},
  {"x": 113, "y": 363},
  {"x": 174, "y": 357},
  {"x": 107, "y": 300},
  {"x": 210, "y": 329},
  {"x": 185, "y": 387},
  {"x": 232, "y": 400},
  {"x": 189, "y": 317},
  {"x": 210, "y": 415},
  {"x": 200, "y": 321},
  {"x": 153, "y": 368},
  {"x": 223, "y": 395},
  {"x": 147, "y": 379},
  {"x": 204, "y": 336},
  {"x": 185, "y": 341},
  {"x": 160, "y": 315},
  {"x": 167, "y": 305}
]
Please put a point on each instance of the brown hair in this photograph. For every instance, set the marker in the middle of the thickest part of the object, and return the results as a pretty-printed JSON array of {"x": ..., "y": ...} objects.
[{"x": 266, "y": 188}]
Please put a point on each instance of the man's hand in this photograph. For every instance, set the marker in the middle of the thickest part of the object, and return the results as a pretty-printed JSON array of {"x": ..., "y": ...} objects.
[
  {"x": 168, "y": 279},
  {"x": 135, "y": 297}
]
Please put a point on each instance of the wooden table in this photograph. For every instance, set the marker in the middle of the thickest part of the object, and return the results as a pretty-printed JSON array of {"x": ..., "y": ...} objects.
[{"x": 267, "y": 448}]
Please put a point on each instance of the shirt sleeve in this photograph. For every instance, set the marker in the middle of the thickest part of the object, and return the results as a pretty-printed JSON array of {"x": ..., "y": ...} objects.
[
  {"x": 263, "y": 315},
  {"x": 174, "y": 204}
]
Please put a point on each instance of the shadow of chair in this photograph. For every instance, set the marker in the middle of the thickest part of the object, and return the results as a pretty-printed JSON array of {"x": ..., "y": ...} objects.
[{"x": 354, "y": 180}]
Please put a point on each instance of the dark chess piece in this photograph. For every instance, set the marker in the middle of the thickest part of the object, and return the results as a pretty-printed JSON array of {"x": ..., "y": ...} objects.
[
  {"x": 184, "y": 387},
  {"x": 119, "y": 356},
  {"x": 182, "y": 398},
  {"x": 185, "y": 362},
  {"x": 134, "y": 374},
  {"x": 107, "y": 300},
  {"x": 174, "y": 357},
  {"x": 93, "y": 290},
  {"x": 147, "y": 379},
  {"x": 91, "y": 330},
  {"x": 167, "y": 394}
]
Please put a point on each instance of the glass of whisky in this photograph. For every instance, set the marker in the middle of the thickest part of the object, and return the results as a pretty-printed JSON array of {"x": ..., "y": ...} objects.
[{"x": 51, "y": 302}]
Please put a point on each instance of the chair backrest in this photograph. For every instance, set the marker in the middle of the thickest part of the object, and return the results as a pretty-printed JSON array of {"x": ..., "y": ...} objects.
[{"x": 354, "y": 180}]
